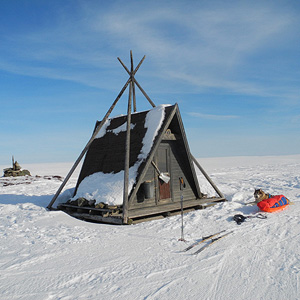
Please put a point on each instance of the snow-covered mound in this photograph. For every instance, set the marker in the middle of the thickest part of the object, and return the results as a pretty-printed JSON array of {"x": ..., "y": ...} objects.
[{"x": 50, "y": 255}]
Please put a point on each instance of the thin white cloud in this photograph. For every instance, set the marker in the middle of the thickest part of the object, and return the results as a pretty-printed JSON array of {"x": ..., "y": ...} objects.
[
  {"x": 204, "y": 47},
  {"x": 295, "y": 119},
  {"x": 213, "y": 117},
  {"x": 209, "y": 36},
  {"x": 216, "y": 46}
]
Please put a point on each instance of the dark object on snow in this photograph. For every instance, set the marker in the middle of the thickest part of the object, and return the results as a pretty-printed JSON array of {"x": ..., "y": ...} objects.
[
  {"x": 15, "y": 171},
  {"x": 240, "y": 218}
]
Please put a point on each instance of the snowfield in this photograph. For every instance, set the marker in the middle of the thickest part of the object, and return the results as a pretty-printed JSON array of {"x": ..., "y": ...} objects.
[{"x": 50, "y": 255}]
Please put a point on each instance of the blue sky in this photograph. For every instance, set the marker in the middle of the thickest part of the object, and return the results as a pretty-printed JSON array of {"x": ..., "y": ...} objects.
[{"x": 233, "y": 67}]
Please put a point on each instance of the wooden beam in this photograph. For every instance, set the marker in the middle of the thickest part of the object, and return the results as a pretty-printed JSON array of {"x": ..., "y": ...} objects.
[
  {"x": 100, "y": 219},
  {"x": 138, "y": 66},
  {"x": 119, "y": 59},
  {"x": 132, "y": 73},
  {"x": 170, "y": 207},
  {"x": 132, "y": 82},
  {"x": 131, "y": 63},
  {"x": 134, "y": 98},
  {"x": 127, "y": 159},
  {"x": 144, "y": 93},
  {"x": 135, "y": 70},
  {"x": 207, "y": 177}
]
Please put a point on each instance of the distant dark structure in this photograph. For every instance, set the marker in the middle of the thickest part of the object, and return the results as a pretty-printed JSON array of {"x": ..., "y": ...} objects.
[
  {"x": 133, "y": 164},
  {"x": 15, "y": 171}
]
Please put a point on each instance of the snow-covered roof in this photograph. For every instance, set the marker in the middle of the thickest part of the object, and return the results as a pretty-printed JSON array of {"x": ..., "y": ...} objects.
[{"x": 102, "y": 175}]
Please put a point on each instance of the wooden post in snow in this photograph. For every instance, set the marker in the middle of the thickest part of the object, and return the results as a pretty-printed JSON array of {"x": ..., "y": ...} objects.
[{"x": 127, "y": 159}]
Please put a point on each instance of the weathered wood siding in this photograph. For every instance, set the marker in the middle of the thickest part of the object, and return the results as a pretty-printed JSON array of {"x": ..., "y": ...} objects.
[
  {"x": 180, "y": 168},
  {"x": 170, "y": 158}
]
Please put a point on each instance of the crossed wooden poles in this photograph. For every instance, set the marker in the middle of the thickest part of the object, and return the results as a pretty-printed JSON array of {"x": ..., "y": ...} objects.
[{"x": 131, "y": 98}]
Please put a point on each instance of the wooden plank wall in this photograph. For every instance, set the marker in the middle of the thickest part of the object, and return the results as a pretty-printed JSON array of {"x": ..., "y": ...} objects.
[{"x": 178, "y": 168}]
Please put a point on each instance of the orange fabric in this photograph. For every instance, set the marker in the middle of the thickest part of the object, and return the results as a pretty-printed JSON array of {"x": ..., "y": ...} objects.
[
  {"x": 273, "y": 209},
  {"x": 275, "y": 203}
]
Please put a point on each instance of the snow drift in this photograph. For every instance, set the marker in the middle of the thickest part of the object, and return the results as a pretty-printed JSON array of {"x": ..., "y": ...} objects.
[{"x": 50, "y": 255}]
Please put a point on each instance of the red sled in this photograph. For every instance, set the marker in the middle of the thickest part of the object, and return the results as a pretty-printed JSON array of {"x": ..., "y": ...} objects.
[{"x": 274, "y": 203}]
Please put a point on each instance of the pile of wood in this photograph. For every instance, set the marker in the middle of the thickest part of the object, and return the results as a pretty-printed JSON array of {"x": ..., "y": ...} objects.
[{"x": 88, "y": 210}]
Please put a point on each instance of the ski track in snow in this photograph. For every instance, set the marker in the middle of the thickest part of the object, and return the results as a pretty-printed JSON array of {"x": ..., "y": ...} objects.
[{"x": 50, "y": 255}]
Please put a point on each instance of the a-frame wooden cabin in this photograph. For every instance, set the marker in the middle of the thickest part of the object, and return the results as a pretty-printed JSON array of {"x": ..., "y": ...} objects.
[{"x": 135, "y": 167}]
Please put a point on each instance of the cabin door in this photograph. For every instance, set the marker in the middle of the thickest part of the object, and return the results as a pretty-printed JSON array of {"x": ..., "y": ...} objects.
[{"x": 163, "y": 163}]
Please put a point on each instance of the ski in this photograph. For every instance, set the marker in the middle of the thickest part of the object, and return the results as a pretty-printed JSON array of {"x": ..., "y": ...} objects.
[
  {"x": 205, "y": 238},
  {"x": 211, "y": 242}
]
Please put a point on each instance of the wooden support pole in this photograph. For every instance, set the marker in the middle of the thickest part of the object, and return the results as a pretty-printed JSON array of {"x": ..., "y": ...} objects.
[
  {"x": 131, "y": 63},
  {"x": 132, "y": 83},
  {"x": 127, "y": 159},
  {"x": 136, "y": 69},
  {"x": 138, "y": 66},
  {"x": 132, "y": 73},
  {"x": 87, "y": 145},
  {"x": 207, "y": 177},
  {"x": 119, "y": 59},
  {"x": 144, "y": 93},
  {"x": 134, "y": 99}
]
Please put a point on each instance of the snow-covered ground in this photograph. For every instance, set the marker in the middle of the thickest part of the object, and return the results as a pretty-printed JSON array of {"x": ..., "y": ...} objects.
[{"x": 50, "y": 255}]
